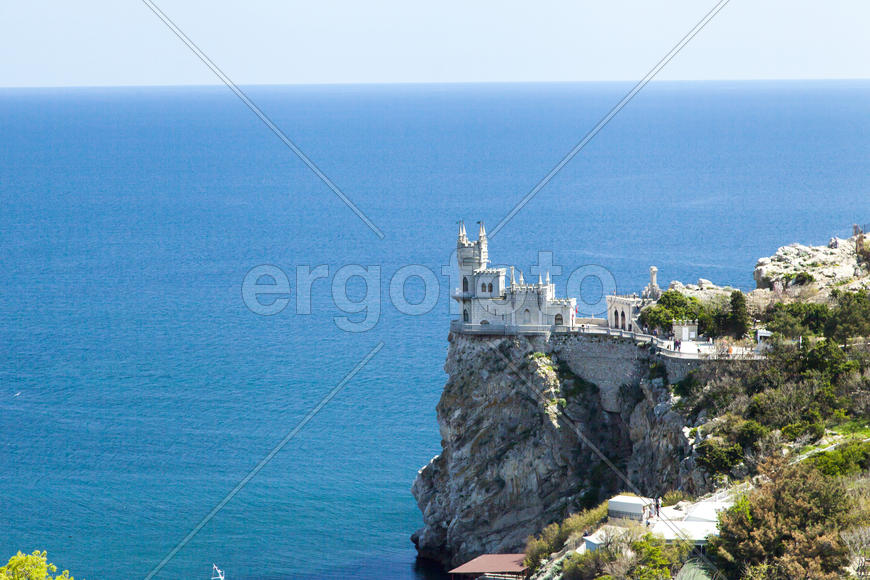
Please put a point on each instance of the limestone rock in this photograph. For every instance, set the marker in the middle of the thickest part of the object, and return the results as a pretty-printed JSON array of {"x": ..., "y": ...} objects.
[
  {"x": 811, "y": 272},
  {"x": 523, "y": 425}
]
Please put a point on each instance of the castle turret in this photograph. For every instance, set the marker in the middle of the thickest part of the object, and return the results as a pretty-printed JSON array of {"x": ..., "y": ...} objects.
[
  {"x": 484, "y": 246},
  {"x": 470, "y": 255}
]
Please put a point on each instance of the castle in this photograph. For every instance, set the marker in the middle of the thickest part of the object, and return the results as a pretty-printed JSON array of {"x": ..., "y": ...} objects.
[{"x": 491, "y": 304}]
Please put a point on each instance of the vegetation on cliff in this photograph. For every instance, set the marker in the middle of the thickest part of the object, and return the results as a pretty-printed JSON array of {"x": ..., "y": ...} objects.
[
  {"x": 634, "y": 554},
  {"x": 714, "y": 319},
  {"x": 801, "y": 392},
  {"x": 554, "y": 536},
  {"x": 792, "y": 525},
  {"x": 795, "y": 424}
]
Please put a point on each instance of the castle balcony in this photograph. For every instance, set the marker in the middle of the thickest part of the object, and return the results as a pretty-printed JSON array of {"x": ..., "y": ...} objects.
[
  {"x": 460, "y": 295},
  {"x": 508, "y": 329}
]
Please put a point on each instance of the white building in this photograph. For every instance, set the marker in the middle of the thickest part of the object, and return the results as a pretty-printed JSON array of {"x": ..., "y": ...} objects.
[
  {"x": 690, "y": 521},
  {"x": 491, "y": 303}
]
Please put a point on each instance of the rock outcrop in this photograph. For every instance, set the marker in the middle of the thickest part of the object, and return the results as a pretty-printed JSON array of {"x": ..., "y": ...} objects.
[
  {"x": 794, "y": 272},
  {"x": 836, "y": 264},
  {"x": 529, "y": 426}
]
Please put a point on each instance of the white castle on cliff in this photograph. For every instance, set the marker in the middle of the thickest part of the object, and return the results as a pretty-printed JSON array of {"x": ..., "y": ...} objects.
[{"x": 490, "y": 303}]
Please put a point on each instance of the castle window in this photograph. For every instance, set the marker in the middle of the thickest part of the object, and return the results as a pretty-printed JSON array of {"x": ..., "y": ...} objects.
[
  {"x": 559, "y": 319},
  {"x": 483, "y": 287},
  {"x": 623, "y": 321},
  {"x": 527, "y": 316},
  {"x": 465, "y": 284},
  {"x": 490, "y": 286},
  {"x": 465, "y": 316}
]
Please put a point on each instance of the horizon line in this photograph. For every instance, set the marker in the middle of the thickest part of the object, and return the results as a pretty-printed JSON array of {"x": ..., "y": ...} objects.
[{"x": 433, "y": 83}]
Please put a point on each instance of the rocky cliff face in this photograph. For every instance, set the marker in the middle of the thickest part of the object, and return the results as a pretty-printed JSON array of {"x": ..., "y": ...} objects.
[{"x": 526, "y": 425}]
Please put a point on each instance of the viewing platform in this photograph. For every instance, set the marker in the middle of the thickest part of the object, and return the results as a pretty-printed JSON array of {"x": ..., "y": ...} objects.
[{"x": 691, "y": 350}]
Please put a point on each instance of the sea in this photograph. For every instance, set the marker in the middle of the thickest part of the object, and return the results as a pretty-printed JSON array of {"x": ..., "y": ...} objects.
[{"x": 208, "y": 357}]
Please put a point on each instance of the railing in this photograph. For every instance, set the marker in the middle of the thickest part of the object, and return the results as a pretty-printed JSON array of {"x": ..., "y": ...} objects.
[
  {"x": 502, "y": 329},
  {"x": 664, "y": 347}
]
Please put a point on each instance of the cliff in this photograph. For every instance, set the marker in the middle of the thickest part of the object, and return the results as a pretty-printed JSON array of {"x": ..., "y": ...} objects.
[{"x": 528, "y": 426}]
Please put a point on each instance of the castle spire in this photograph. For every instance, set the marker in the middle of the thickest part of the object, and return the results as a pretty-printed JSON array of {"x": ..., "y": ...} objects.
[
  {"x": 539, "y": 279},
  {"x": 522, "y": 281},
  {"x": 512, "y": 276},
  {"x": 481, "y": 234},
  {"x": 462, "y": 233},
  {"x": 548, "y": 277}
]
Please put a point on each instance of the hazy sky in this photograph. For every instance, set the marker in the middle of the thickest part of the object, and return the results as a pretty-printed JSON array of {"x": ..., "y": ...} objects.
[{"x": 121, "y": 42}]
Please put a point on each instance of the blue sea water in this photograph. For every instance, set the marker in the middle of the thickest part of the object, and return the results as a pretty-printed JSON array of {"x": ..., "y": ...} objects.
[{"x": 137, "y": 389}]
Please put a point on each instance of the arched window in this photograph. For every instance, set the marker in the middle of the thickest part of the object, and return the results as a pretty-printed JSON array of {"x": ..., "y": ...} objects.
[
  {"x": 615, "y": 319},
  {"x": 465, "y": 316},
  {"x": 622, "y": 326},
  {"x": 465, "y": 284},
  {"x": 490, "y": 286},
  {"x": 527, "y": 316},
  {"x": 559, "y": 320},
  {"x": 483, "y": 287}
]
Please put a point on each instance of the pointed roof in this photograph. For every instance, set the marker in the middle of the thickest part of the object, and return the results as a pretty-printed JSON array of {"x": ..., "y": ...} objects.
[{"x": 482, "y": 232}]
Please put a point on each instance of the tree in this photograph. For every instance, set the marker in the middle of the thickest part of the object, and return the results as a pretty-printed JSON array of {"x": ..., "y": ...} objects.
[
  {"x": 851, "y": 316},
  {"x": 789, "y": 527},
  {"x": 33, "y": 566},
  {"x": 738, "y": 320}
]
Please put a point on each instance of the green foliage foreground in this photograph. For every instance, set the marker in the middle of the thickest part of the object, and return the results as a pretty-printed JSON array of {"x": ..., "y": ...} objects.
[
  {"x": 789, "y": 526},
  {"x": 33, "y": 566}
]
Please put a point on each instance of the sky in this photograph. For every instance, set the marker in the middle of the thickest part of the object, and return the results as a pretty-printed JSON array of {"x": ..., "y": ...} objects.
[{"x": 122, "y": 42}]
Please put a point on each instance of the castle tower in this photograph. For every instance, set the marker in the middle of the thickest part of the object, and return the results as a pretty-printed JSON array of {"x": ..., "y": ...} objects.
[
  {"x": 484, "y": 246},
  {"x": 470, "y": 255}
]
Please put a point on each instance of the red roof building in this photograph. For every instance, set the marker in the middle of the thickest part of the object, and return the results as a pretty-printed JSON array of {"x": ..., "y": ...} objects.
[{"x": 493, "y": 566}]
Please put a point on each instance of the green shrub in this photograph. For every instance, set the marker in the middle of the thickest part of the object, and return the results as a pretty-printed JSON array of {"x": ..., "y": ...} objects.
[
  {"x": 849, "y": 458},
  {"x": 586, "y": 566},
  {"x": 798, "y": 319},
  {"x": 794, "y": 431},
  {"x": 537, "y": 550},
  {"x": 584, "y": 521},
  {"x": 717, "y": 457},
  {"x": 749, "y": 432},
  {"x": 674, "y": 497},
  {"x": 553, "y": 537}
]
